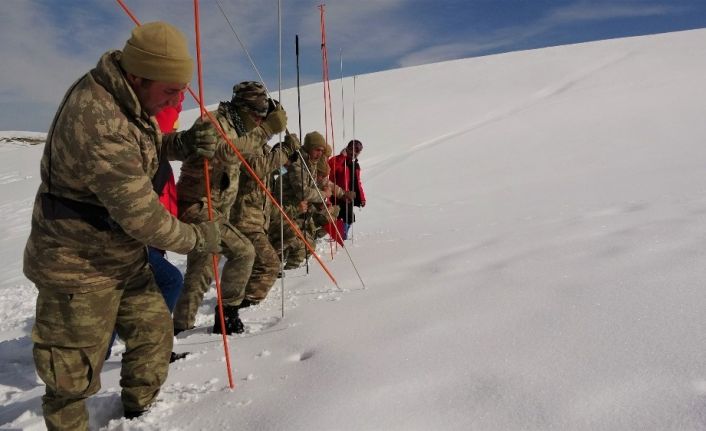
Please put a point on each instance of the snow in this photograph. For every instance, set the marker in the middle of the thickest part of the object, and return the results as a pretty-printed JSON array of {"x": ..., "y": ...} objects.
[{"x": 532, "y": 253}]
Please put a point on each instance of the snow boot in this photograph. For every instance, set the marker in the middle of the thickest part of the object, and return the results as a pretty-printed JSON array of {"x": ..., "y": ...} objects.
[
  {"x": 176, "y": 356},
  {"x": 246, "y": 303},
  {"x": 233, "y": 323},
  {"x": 134, "y": 414},
  {"x": 178, "y": 331}
]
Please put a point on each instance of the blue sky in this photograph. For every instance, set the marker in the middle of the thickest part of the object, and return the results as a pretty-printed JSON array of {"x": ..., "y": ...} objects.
[{"x": 47, "y": 44}]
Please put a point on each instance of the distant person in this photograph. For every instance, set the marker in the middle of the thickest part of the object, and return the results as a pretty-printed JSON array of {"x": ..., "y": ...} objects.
[
  {"x": 249, "y": 136},
  {"x": 345, "y": 173},
  {"x": 299, "y": 192},
  {"x": 326, "y": 215},
  {"x": 94, "y": 214}
]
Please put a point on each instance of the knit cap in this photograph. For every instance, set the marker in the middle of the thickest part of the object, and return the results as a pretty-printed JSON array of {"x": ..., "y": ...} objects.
[
  {"x": 314, "y": 140},
  {"x": 251, "y": 96},
  {"x": 158, "y": 51}
]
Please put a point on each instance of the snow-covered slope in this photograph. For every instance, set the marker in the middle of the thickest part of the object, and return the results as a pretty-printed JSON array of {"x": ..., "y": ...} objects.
[{"x": 532, "y": 249}]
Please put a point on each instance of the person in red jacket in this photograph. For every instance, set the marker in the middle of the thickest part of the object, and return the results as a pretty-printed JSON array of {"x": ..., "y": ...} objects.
[
  {"x": 167, "y": 119},
  {"x": 345, "y": 173},
  {"x": 168, "y": 277}
]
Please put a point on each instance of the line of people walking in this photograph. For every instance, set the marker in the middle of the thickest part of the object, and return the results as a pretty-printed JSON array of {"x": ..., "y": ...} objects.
[{"x": 108, "y": 208}]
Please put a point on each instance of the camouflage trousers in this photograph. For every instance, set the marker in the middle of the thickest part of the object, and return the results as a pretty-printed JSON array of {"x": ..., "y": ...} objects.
[
  {"x": 321, "y": 216},
  {"x": 239, "y": 254},
  {"x": 71, "y": 335},
  {"x": 294, "y": 251},
  {"x": 264, "y": 270}
]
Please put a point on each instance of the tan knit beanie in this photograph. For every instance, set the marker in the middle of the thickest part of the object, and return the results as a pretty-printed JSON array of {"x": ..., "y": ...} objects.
[
  {"x": 314, "y": 140},
  {"x": 158, "y": 51}
]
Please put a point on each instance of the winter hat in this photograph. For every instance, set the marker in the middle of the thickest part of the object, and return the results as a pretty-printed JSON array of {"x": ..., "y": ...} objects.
[
  {"x": 314, "y": 140},
  {"x": 158, "y": 51},
  {"x": 251, "y": 96},
  {"x": 328, "y": 151}
]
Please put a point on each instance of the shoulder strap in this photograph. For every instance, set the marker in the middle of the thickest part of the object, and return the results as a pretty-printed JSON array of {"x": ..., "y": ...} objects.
[{"x": 161, "y": 176}]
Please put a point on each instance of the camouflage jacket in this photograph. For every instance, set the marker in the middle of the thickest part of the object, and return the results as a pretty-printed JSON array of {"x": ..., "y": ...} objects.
[
  {"x": 336, "y": 191},
  {"x": 102, "y": 149},
  {"x": 224, "y": 168},
  {"x": 251, "y": 212},
  {"x": 297, "y": 184}
]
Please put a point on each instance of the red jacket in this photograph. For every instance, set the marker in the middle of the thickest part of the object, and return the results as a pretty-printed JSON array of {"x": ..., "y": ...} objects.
[
  {"x": 167, "y": 118},
  {"x": 341, "y": 173}
]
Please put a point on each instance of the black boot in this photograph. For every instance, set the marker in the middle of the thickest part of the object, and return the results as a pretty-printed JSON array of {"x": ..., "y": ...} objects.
[
  {"x": 233, "y": 323},
  {"x": 178, "y": 331},
  {"x": 246, "y": 303},
  {"x": 134, "y": 415},
  {"x": 177, "y": 356}
]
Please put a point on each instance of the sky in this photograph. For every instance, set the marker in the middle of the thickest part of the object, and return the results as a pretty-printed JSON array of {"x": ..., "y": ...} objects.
[
  {"x": 532, "y": 260},
  {"x": 52, "y": 43}
]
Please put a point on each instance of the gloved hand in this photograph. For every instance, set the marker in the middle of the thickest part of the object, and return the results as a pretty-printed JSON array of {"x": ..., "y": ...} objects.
[
  {"x": 362, "y": 204},
  {"x": 209, "y": 240},
  {"x": 292, "y": 141},
  {"x": 275, "y": 122},
  {"x": 349, "y": 195},
  {"x": 327, "y": 191},
  {"x": 200, "y": 139},
  {"x": 303, "y": 207}
]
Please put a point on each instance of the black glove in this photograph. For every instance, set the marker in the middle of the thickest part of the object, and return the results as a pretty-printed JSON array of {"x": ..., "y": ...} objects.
[
  {"x": 209, "y": 240},
  {"x": 200, "y": 139}
]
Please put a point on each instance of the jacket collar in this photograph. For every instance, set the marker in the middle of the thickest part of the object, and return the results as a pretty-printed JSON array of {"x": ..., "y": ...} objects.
[{"x": 110, "y": 76}]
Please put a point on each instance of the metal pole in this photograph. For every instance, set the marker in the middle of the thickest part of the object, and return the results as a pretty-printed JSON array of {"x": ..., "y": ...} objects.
[
  {"x": 299, "y": 110},
  {"x": 279, "y": 31}
]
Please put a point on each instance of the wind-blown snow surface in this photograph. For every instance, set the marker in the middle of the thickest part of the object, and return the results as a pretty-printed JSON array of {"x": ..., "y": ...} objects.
[{"x": 533, "y": 250}]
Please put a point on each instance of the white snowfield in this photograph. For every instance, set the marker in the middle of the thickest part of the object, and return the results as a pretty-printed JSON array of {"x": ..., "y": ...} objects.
[{"x": 533, "y": 250}]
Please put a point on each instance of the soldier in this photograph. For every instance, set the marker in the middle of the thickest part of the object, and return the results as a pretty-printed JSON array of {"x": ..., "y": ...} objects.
[
  {"x": 249, "y": 124},
  {"x": 299, "y": 192},
  {"x": 326, "y": 213},
  {"x": 168, "y": 277},
  {"x": 252, "y": 208},
  {"x": 94, "y": 213}
]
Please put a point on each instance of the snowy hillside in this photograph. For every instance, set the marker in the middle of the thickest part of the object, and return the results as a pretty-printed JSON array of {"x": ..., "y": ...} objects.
[{"x": 534, "y": 251}]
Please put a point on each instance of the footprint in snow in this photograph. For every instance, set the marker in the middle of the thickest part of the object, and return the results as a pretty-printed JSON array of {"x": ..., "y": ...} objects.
[
  {"x": 253, "y": 326},
  {"x": 263, "y": 354},
  {"x": 299, "y": 357}
]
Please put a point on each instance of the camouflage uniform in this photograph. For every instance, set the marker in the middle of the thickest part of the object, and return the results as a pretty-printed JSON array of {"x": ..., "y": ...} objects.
[
  {"x": 322, "y": 212},
  {"x": 297, "y": 186},
  {"x": 101, "y": 152},
  {"x": 224, "y": 172},
  {"x": 290, "y": 240},
  {"x": 251, "y": 215}
]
